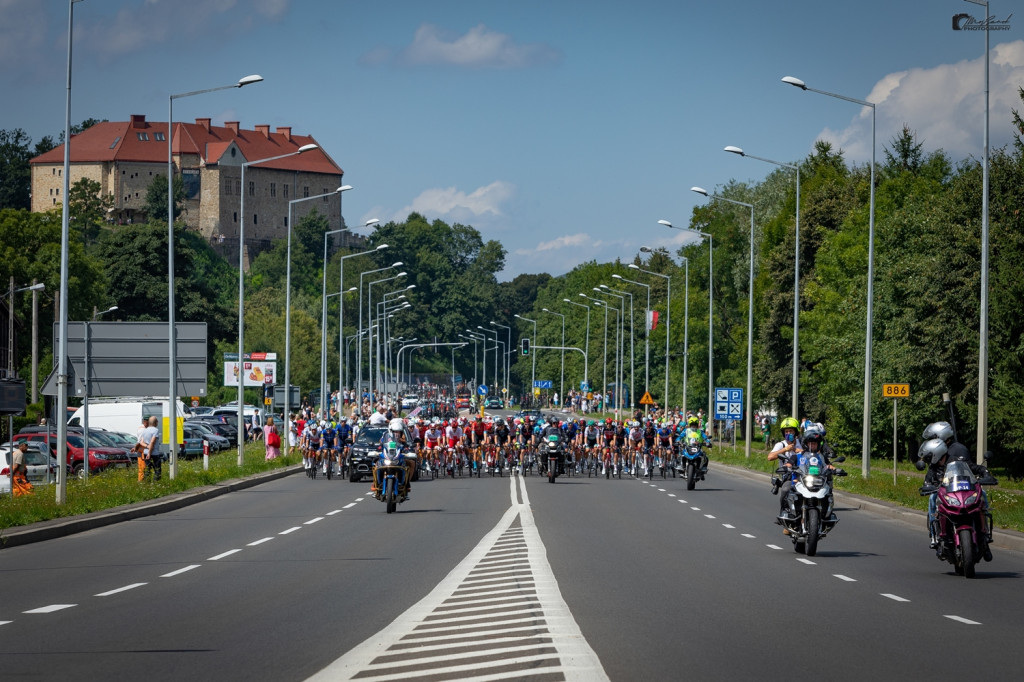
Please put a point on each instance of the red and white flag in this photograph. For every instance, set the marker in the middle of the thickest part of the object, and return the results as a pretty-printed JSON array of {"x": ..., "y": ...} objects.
[{"x": 652, "y": 320}]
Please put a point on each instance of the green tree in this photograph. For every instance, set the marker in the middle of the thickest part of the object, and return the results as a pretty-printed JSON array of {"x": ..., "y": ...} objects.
[
  {"x": 15, "y": 176},
  {"x": 88, "y": 208},
  {"x": 155, "y": 206}
]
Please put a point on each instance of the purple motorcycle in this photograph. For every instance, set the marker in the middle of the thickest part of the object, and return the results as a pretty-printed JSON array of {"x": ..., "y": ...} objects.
[{"x": 960, "y": 514}]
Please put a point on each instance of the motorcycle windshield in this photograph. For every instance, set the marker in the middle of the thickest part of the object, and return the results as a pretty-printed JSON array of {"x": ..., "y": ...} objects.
[
  {"x": 692, "y": 443},
  {"x": 958, "y": 476},
  {"x": 810, "y": 464}
]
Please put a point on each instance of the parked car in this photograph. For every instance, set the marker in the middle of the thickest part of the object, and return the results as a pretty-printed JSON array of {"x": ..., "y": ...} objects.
[
  {"x": 202, "y": 430},
  {"x": 100, "y": 458},
  {"x": 200, "y": 411},
  {"x": 222, "y": 425},
  {"x": 37, "y": 461}
]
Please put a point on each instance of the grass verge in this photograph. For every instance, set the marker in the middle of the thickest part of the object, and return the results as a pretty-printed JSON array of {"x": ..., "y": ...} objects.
[
  {"x": 121, "y": 486},
  {"x": 1007, "y": 508}
]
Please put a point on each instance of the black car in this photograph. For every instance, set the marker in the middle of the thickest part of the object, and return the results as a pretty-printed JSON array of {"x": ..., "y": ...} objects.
[
  {"x": 366, "y": 449},
  {"x": 534, "y": 415},
  {"x": 221, "y": 426}
]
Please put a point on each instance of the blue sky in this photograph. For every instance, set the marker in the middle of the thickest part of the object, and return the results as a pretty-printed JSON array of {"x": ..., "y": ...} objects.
[{"x": 564, "y": 129}]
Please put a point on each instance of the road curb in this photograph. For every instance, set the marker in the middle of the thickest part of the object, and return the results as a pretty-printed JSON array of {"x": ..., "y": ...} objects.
[
  {"x": 58, "y": 528},
  {"x": 1004, "y": 539}
]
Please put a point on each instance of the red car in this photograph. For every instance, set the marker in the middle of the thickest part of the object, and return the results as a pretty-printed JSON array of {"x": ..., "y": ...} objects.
[{"x": 100, "y": 458}]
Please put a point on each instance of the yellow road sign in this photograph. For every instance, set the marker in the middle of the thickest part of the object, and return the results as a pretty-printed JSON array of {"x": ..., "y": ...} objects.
[
  {"x": 536, "y": 391},
  {"x": 647, "y": 399},
  {"x": 895, "y": 390}
]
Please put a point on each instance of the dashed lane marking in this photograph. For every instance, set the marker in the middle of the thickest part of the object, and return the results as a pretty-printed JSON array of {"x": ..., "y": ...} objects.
[
  {"x": 773, "y": 546},
  {"x": 710, "y": 516},
  {"x": 893, "y": 597},
  {"x": 51, "y": 608},
  {"x": 961, "y": 619},
  {"x": 290, "y": 530},
  {"x": 729, "y": 526},
  {"x": 224, "y": 554},
  {"x": 748, "y": 535},
  {"x": 332, "y": 513},
  {"x": 844, "y": 577},
  {"x": 179, "y": 571},
  {"x": 312, "y": 521},
  {"x": 259, "y": 542},
  {"x": 120, "y": 589},
  {"x": 806, "y": 561},
  {"x": 350, "y": 504}
]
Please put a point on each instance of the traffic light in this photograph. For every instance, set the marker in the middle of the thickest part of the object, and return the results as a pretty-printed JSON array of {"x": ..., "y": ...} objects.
[{"x": 526, "y": 346}]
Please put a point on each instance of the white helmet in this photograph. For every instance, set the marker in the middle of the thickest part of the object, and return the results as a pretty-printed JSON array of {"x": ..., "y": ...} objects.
[
  {"x": 932, "y": 450},
  {"x": 396, "y": 425},
  {"x": 941, "y": 430}
]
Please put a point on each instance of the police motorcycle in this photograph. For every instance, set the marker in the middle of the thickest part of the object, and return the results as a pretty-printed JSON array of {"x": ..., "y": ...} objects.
[
  {"x": 809, "y": 514},
  {"x": 391, "y": 474},
  {"x": 551, "y": 456}
]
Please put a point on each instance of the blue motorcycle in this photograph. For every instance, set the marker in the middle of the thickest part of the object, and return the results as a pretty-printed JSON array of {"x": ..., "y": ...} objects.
[
  {"x": 391, "y": 476},
  {"x": 694, "y": 463}
]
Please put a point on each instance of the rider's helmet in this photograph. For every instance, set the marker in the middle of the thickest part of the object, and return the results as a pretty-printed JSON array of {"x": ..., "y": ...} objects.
[
  {"x": 553, "y": 421},
  {"x": 498, "y": 421},
  {"x": 814, "y": 434},
  {"x": 941, "y": 430},
  {"x": 932, "y": 450},
  {"x": 590, "y": 423},
  {"x": 396, "y": 425},
  {"x": 608, "y": 420},
  {"x": 790, "y": 423},
  {"x": 693, "y": 420}
]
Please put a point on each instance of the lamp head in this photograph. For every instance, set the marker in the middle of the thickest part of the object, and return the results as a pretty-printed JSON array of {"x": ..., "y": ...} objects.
[
  {"x": 603, "y": 286},
  {"x": 249, "y": 80},
  {"x": 634, "y": 266},
  {"x": 665, "y": 223},
  {"x": 307, "y": 148},
  {"x": 698, "y": 190},
  {"x": 343, "y": 188},
  {"x": 616, "y": 276},
  {"x": 795, "y": 82},
  {"x": 643, "y": 249},
  {"x": 545, "y": 310},
  {"x": 401, "y": 274},
  {"x": 734, "y": 150},
  {"x": 371, "y": 221},
  {"x": 584, "y": 296},
  {"x": 411, "y": 286},
  {"x": 381, "y": 247},
  {"x": 350, "y": 290},
  {"x": 398, "y": 264}
]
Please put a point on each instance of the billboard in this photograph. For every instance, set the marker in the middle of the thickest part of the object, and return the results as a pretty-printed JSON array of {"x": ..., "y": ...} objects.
[{"x": 258, "y": 369}]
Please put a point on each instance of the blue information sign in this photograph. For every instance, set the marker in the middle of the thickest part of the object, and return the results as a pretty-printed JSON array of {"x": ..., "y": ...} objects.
[
  {"x": 541, "y": 384},
  {"x": 729, "y": 404},
  {"x": 482, "y": 389}
]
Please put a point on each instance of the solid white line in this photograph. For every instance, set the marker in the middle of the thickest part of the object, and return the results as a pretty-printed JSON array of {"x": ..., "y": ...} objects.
[
  {"x": 120, "y": 589},
  {"x": 312, "y": 521},
  {"x": 290, "y": 530},
  {"x": 224, "y": 554},
  {"x": 748, "y": 535},
  {"x": 963, "y": 620},
  {"x": 773, "y": 546},
  {"x": 894, "y": 597},
  {"x": 51, "y": 608},
  {"x": 844, "y": 577},
  {"x": 726, "y": 525},
  {"x": 179, "y": 571},
  {"x": 350, "y": 504},
  {"x": 259, "y": 542},
  {"x": 332, "y": 513},
  {"x": 806, "y": 561},
  {"x": 709, "y": 516}
]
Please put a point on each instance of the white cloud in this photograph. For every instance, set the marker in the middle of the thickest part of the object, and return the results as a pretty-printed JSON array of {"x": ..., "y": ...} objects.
[
  {"x": 944, "y": 105},
  {"x": 449, "y": 202},
  {"x": 480, "y": 47},
  {"x": 565, "y": 241}
]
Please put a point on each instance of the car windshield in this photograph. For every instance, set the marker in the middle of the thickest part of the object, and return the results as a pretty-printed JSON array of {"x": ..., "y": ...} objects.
[
  {"x": 104, "y": 439},
  {"x": 370, "y": 435}
]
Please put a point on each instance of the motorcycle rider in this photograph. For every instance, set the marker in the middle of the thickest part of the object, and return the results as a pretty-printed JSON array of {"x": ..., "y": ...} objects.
[
  {"x": 933, "y": 456},
  {"x": 694, "y": 432},
  {"x": 790, "y": 446},
  {"x": 396, "y": 434},
  {"x": 552, "y": 429}
]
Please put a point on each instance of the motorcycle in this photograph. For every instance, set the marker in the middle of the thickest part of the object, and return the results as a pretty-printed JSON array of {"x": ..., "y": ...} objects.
[
  {"x": 692, "y": 464},
  {"x": 810, "y": 516},
  {"x": 960, "y": 517},
  {"x": 391, "y": 476},
  {"x": 551, "y": 456}
]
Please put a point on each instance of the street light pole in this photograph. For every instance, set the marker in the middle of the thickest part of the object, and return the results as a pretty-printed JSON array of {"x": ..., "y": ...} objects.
[
  {"x": 507, "y": 355},
  {"x": 632, "y": 352},
  {"x": 711, "y": 312},
  {"x": 586, "y": 341},
  {"x": 796, "y": 278},
  {"x": 172, "y": 350},
  {"x": 369, "y": 335},
  {"x": 647, "y": 339},
  {"x": 866, "y": 437},
  {"x": 561, "y": 384},
  {"x": 748, "y": 417},
  {"x": 241, "y": 307},
  {"x": 533, "y": 342}
]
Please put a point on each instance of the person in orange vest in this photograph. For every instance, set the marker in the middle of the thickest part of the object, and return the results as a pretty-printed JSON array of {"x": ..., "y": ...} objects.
[{"x": 19, "y": 472}]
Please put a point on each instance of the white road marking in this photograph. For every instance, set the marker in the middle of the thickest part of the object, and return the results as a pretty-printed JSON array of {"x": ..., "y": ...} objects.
[
  {"x": 960, "y": 619},
  {"x": 332, "y": 513},
  {"x": 684, "y": 501},
  {"x": 120, "y": 589},
  {"x": 806, "y": 561},
  {"x": 726, "y": 525},
  {"x": 224, "y": 554},
  {"x": 179, "y": 571},
  {"x": 773, "y": 546},
  {"x": 844, "y": 577},
  {"x": 661, "y": 490},
  {"x": 360, "y": 499},
  {"x": 710, "y": 516},
  {"x": 259, "y": 542},
  {"x": 893, "y": 597},
  {"x": 671, "y": 494},
  {"x": 432, "y": 622},
  {"x": 748, "y": 535},
  {"x": 290, "y": 530},
  {"x": 695, "y": 508},
  {"x": 51, "y": 608},
  {"x": 350, "y": 504},
  {"x": 5, "y": 622},
  {"x": 312, "y": 521}
]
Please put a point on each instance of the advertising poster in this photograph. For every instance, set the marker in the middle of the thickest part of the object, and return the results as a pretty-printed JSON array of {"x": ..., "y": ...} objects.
[{"x": 257, "y": 372}]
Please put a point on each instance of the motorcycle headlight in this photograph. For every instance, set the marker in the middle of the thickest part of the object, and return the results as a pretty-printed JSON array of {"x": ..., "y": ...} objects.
[
  {"x": 952, "y": 501},
  {"x": 971, "y": 500},
  {"x": 812, "y": 481},
  {"x": 387, "y": 462}
]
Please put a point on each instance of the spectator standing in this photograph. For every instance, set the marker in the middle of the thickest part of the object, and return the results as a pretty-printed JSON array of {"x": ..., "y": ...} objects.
[
  {"x": 151, "y": 441},
  {"x": 271, "y": 440},
  {"x": 19, "y": 472},
  {"x": 140, "y": 448}
]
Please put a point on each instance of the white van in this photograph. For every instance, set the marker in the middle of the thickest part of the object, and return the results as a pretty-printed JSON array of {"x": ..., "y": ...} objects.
[{"x": 125, "y": 415}]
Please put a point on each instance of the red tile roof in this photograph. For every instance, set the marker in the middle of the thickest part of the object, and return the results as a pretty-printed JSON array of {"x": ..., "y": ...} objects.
[{"x": 119, "y": 141}]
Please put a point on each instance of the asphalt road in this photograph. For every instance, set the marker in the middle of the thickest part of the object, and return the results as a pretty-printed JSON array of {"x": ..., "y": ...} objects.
[{"x": 577, "y": 580}]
